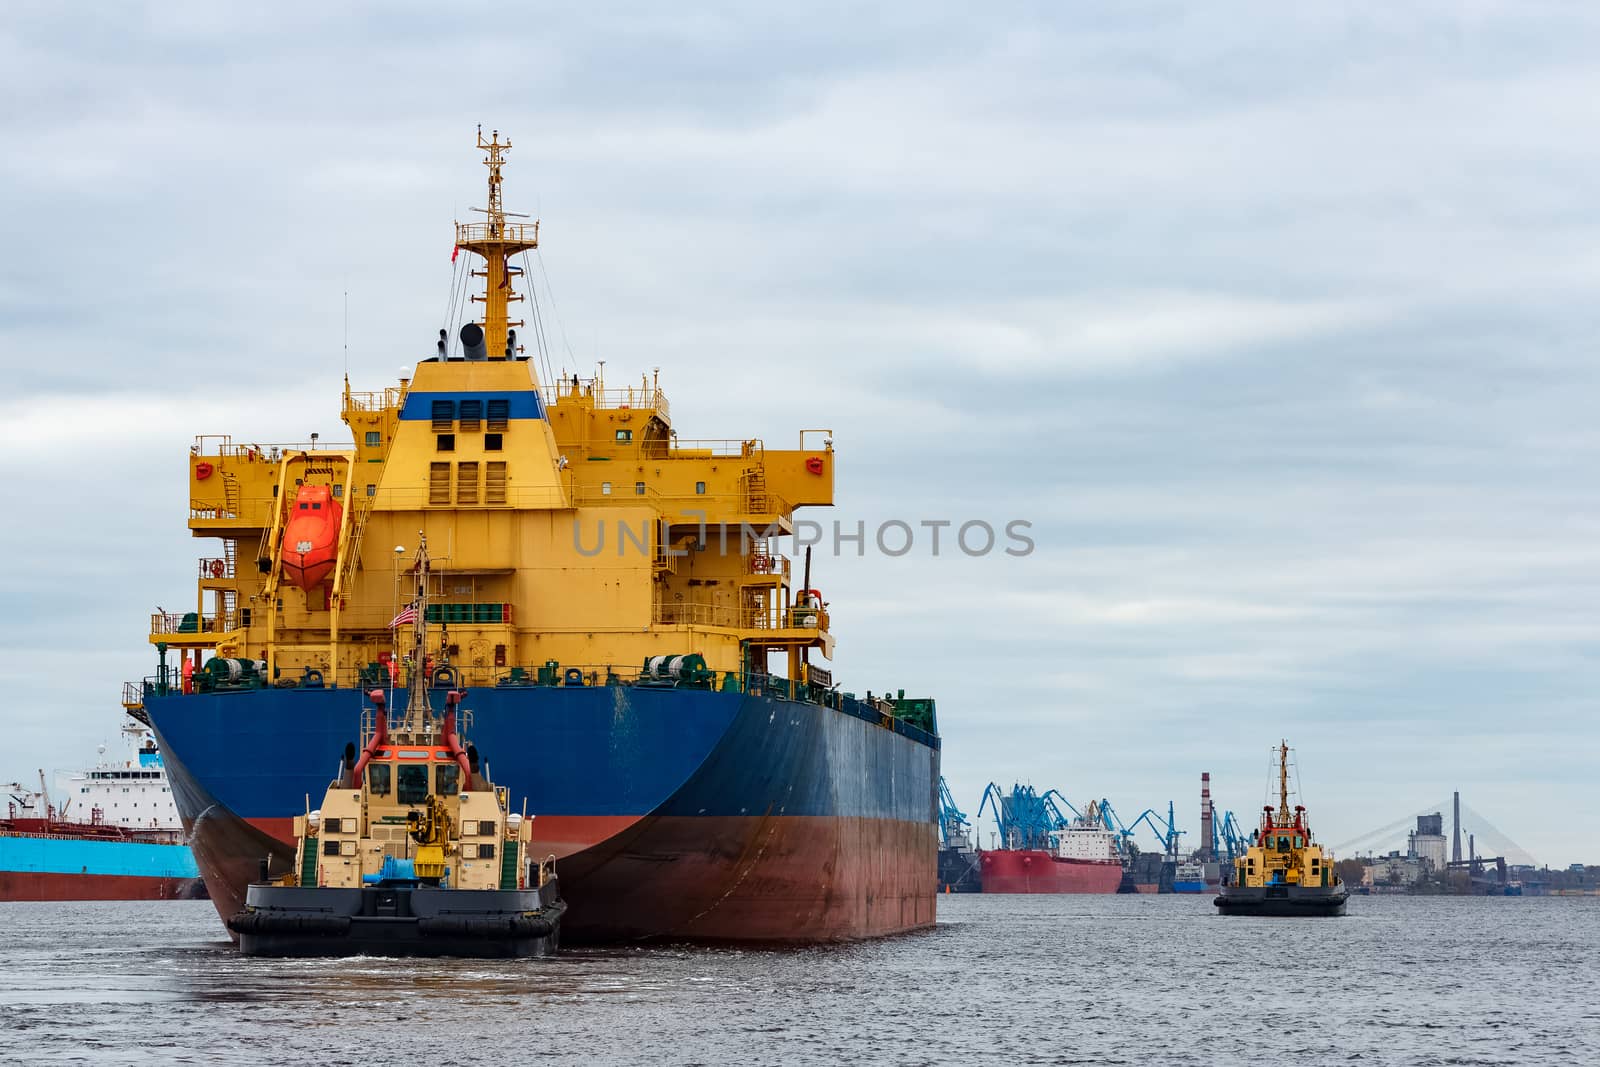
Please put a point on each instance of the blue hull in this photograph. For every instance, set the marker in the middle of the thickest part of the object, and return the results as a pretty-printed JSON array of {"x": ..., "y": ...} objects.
[{"x": 673, "y": 812}]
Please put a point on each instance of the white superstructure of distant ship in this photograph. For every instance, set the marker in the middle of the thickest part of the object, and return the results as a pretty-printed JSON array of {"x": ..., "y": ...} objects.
[{"x": 131, "y": 792}]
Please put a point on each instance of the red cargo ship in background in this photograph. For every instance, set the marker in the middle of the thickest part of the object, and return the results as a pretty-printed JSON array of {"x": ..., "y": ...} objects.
[{"x": 1080, "y": 857}]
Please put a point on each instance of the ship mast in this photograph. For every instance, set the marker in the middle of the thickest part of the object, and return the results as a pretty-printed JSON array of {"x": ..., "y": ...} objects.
[
  {"x": 496, "y": 241},
  {"x": 419, "y": 714},
  {"x": 1283, "y": 783}
]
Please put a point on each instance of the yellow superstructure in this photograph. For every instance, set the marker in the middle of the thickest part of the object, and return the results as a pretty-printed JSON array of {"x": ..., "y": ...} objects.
[{"x": 570, "y": 524}]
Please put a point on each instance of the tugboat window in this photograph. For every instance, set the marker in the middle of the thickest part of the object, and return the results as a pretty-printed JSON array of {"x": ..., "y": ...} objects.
[
  {"x": 449, "y": 778},
  {"x": 378, "y": 779},
  {"x": 413, "y": 784}
]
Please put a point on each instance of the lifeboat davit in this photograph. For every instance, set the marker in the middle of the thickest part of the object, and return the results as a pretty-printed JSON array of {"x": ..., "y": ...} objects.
[{"x": 311, "y": 538}]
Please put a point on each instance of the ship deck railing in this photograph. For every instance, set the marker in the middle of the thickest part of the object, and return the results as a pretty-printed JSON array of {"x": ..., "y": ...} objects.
[
  {"x": 221, "y": 444},
  {"x": 738, "y": 617},
  {"x": 379, "y": 400},
  {"x": 193, "y": 622},
  {"x": 644, "y": 397}
]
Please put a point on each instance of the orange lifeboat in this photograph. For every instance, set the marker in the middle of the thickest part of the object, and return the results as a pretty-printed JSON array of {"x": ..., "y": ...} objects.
[{"x": 311, "y": 538}]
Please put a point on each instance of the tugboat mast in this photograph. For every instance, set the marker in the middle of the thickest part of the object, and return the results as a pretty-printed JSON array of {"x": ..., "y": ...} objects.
[
  {"x": 419, "y": 713},
  {"x": 496, "y": 240},
  {"x": 1283, "y": 783}
]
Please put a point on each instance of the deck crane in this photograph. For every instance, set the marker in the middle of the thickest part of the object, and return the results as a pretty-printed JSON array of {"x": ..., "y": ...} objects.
[
  {"x": 954, "y": 829},
  {"x": 1024, "y": 818}
]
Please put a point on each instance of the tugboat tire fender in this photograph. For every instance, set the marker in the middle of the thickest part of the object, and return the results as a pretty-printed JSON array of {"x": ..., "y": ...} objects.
[
  {"x": 468, "y": 926},
  {"x": 257, "y": 922}
]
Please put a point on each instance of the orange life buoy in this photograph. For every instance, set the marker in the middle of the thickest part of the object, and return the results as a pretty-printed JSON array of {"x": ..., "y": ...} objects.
[{"x": 216, "y": 568}]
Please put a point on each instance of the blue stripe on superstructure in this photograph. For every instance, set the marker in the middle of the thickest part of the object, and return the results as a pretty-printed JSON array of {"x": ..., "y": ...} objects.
[
  {"x": 573, "y": 750},
  {"x": 59, "y": 855},
  {"x": 522, "y": 403}
]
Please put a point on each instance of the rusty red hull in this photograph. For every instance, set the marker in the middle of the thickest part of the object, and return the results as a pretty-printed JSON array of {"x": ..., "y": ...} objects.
[
  {"x": 29, "y": 885},
  {"x": 1035, "y": 871}
]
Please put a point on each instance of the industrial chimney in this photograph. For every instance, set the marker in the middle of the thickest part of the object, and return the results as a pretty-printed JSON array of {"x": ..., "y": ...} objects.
[
  {"x": 1455, "y": 845},
  {"x": 1205, "y": 817}
]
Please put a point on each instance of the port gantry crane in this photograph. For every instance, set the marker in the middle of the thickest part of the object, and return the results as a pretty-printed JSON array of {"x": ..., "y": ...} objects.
[
  {"x": 1234, "y": 841},
  {"x": 1166, "y": 830},
  {"x": 954, "y": 829},
  {"x": 1111, "y": 821},
  {"x": 1026, "y": 819}
]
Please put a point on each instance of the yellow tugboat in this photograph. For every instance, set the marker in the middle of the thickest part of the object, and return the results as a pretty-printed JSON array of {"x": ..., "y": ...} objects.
[
  {"x": 414, "y": 851},
  {"x": 1284, "y": 872}
]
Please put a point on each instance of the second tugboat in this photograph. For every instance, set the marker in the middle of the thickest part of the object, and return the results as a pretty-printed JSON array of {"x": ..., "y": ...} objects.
[
  {"x": 413, "y": 852},
  {"x": 1283, "y": 872}
]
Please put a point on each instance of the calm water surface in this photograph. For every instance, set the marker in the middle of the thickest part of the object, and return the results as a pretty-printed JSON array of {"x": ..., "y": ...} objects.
[{"x": 1001, "y": 980}]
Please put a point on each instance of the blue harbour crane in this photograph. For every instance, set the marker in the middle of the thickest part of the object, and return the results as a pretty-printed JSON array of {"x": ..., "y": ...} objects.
[
  {"x": 1025, "y": 818},
  {"x": 954, "y": 829},
  {"x": 1235, "y": 842},
  {"x": 1166, "y": 831}
]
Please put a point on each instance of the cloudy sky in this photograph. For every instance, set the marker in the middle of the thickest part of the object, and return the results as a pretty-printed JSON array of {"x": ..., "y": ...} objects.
[{"x": 1276, "y": 325}]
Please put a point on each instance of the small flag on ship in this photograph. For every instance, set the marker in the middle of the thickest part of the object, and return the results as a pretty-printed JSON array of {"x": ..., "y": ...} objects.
[{"x": 406, "y": 616}]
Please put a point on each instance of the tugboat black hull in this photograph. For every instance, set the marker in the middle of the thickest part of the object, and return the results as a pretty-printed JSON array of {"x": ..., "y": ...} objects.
[
  {"x": 407, "y": 920},
  {"x": 1282, "y": 901}
]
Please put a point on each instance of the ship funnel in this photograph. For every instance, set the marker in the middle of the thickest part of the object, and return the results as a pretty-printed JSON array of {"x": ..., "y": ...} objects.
[{"x": 472, "y": 342}]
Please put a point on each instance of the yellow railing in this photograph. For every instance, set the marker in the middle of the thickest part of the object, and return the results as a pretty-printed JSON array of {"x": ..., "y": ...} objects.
[
  {"x": 476, "y": 232},
  {"x": 192, "y": 622},
  {"x": 374, "y": 401},
  {"x": 645, "y": 397},
  {"x": 696, "y": 613}
]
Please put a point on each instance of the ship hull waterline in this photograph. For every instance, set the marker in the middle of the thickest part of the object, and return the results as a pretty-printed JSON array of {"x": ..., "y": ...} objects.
[
  {"x": 18, "y": 886},
  {"x": 753, "y": 818},
  {"x": 399, "y": 921},
  {"x": 1037, "y": 871},
  {"x": 1283, "y": 901}
]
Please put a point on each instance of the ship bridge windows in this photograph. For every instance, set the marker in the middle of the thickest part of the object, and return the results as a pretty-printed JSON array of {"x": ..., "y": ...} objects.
[
  {"x": 374, "y": 438},
  {"x": 448, "y": 776},
  {"x": 413, "y": 783},
  {"x": 624, "y": 436},
  {"x": 379, "y": 778}
]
